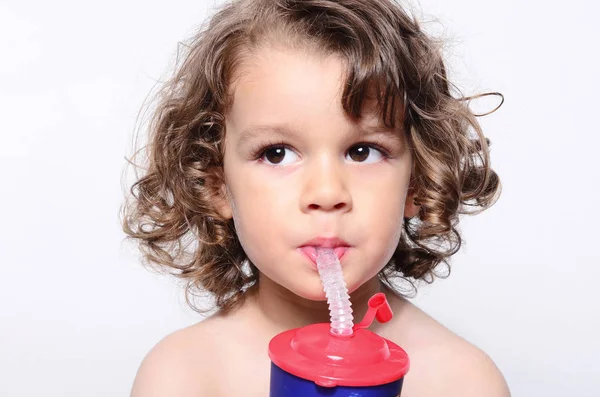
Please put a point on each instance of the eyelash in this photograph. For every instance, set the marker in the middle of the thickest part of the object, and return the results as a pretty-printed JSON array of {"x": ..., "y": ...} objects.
[{"x": 260, "y": 148}]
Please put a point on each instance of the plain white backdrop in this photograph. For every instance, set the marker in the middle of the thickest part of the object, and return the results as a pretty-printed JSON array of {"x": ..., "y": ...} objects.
[{"x": 77, "y": 310}]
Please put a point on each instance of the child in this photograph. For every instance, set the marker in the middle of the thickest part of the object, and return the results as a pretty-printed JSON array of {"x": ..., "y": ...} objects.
[{"x": 293, "y": 124}]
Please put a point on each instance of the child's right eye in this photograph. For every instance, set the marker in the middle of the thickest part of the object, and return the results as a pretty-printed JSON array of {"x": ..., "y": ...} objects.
[{"x": 276, "y": 155}]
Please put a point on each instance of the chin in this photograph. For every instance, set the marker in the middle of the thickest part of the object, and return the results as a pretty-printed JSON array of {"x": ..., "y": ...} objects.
[
  {"x": 313, "y": 289},
  {"x": 317, "y": 294},
  {"x": 310, "y": 290}
]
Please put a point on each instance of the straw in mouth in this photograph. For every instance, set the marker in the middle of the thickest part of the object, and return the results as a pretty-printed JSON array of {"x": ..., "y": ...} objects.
[{"x": 332, "y": 278}]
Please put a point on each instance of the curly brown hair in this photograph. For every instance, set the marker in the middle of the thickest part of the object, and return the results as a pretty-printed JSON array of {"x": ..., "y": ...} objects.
[{"x": 171, "y": 211}]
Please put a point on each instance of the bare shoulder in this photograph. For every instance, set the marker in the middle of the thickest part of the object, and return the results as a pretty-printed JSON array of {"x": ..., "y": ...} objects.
[
  {"x": 442, "y": 363},
  {"x": 180, "y": 364}
]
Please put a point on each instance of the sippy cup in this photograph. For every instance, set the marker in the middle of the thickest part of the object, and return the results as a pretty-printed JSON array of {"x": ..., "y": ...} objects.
[{"x": 338, "y": 358}]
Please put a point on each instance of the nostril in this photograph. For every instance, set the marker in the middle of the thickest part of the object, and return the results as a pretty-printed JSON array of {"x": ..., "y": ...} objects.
[{"x": 317, "y": 206}]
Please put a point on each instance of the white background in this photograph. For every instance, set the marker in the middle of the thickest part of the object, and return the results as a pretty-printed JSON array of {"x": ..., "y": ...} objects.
[{"x": 77, "y": 310}]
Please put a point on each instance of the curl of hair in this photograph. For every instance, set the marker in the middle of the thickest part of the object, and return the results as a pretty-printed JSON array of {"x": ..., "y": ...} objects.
[{"x": 385, "y": 52}]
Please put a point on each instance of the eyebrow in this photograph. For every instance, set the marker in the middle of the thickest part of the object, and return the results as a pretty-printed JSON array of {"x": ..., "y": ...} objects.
[{"x": 287, "y": 131}]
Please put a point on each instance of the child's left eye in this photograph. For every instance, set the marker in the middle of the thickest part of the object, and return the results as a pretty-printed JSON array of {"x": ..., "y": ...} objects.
[{"x": 361, "y": 153}]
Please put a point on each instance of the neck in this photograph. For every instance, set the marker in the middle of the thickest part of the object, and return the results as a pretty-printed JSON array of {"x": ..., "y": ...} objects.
[{"x": 281, "y": 309}]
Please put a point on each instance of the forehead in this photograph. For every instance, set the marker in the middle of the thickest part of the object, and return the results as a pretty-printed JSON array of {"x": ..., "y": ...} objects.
[{"x": 278, "y": 85}]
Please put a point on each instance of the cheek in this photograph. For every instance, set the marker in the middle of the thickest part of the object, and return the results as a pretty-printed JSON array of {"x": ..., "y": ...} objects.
[
  {"x": 383, "y": 200},
  {"x": 382, "y": 218},
  {"x": 388, "y": 228},
  {"x": 257, "y": 214}
]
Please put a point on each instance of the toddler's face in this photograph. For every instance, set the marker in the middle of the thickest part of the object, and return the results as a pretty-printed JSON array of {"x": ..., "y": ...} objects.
[{"x": 313, "y": 173}]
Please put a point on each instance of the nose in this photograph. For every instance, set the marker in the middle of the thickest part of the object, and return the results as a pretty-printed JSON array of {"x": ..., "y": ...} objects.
[{"x": 325, "y": 187}]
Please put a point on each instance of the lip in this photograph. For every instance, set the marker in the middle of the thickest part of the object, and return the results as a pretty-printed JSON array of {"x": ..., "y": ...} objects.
[
  {"x": 338, "y": 245},
  {"x": 326, "y": 242},
  {"x": 311, "y": 253}
]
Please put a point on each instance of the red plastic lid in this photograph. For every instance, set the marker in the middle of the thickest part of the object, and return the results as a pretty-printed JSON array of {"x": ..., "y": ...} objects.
[{"x": 362, "y": 359}]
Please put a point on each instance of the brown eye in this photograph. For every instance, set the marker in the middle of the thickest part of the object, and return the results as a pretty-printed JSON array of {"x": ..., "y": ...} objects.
[
  {"x": 275, "y": 154},
  {"x": 366, "y": 153},
  {"x": 359, "y": 153}
]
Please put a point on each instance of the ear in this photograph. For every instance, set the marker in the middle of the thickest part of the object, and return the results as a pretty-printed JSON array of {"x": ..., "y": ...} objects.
[
  {"x": 215, "y": 183},
  {"x": 411, "y": 209},
  {"x": 222, "y": 204}
]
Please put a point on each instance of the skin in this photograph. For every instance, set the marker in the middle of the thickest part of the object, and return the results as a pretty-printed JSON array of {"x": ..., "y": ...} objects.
[{"x": 326, "y": 182}]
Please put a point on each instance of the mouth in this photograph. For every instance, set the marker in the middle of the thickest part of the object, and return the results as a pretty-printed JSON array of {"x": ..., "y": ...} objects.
[
  {"x": 309, "y": 248},
  {"x": 311, "y": 252}
]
